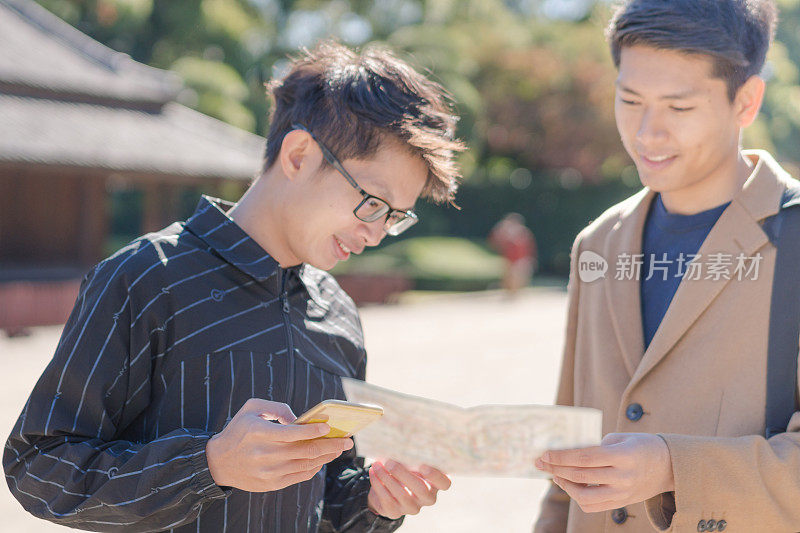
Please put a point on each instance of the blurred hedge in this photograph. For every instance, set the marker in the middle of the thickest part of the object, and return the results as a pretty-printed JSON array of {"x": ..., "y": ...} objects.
[
  {"x": 432, "y": 263},
  {"x": 554, "y": 213}
]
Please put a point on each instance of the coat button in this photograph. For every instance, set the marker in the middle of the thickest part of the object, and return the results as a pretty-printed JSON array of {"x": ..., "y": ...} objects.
[
  {"x": 721, "y": 525},
  {"x": 619, "y": 515},
  {"x": 701, "y": 526},
  {"x": 634, "y": 412},
  {"x": 711, "y": 525}
]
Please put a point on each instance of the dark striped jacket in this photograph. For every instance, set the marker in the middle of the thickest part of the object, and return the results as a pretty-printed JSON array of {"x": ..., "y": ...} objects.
[{"x": 168, "y": 339}]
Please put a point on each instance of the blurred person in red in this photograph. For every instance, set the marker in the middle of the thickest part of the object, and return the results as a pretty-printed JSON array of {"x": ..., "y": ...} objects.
[{"x": 511, "y": 238}]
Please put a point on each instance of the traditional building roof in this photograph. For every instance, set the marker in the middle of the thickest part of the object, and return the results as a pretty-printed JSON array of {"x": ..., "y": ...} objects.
[{"x": 67, "y": 100}]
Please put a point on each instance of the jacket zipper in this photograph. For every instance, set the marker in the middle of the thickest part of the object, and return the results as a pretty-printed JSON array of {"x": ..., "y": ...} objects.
[{"x": 287, "y": 322}]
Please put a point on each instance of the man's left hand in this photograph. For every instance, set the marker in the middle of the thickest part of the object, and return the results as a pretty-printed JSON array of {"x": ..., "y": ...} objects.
[
  {"x": 398, "y": 491},
  {"x": 626, "y": 468}
]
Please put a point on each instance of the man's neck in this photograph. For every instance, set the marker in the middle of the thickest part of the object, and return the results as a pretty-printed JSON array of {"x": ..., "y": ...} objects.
[
  {"x": 258, "y": 214},
  {"x": 711, "y": 192}
]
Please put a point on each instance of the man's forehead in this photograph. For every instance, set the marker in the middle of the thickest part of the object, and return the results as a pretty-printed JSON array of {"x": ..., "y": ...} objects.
[{"x": 666, "y": 74}]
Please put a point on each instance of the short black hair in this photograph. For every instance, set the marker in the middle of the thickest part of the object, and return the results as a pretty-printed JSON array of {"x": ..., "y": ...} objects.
[
  {"x": 354, "y": 101},
  {"x": 736, "y": 34}
]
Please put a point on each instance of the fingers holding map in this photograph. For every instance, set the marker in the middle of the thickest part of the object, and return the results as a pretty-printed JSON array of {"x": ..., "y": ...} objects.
[{"x": 487, "y": 440}]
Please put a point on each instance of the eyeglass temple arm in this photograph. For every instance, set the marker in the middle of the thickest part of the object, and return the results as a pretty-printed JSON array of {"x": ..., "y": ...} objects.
[{"x": 329, "y": 157}]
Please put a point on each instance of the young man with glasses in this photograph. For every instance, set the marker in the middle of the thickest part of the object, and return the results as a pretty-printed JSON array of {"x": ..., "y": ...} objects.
[{"x": 170, "y": 400}]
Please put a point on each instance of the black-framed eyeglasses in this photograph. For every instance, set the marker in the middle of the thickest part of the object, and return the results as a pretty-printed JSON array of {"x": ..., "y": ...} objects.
[{"x": 371, "y": 207}]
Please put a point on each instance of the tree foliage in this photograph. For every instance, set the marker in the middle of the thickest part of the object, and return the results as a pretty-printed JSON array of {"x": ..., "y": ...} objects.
[{"x": 531, "y": 79}]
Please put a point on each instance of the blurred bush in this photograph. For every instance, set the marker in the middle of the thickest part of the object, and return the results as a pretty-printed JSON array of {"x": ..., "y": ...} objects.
[
  {"x": 553, "y": 212},
  {"x": 216, "y": 89},
  {"x": 432, "y": 263}
]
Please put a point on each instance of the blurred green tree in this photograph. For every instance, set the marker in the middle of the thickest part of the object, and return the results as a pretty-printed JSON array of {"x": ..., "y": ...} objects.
[{"x": 532, "y": 81}]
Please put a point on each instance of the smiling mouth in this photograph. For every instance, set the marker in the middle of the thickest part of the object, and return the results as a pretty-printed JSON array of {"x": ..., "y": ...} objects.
[
  {"x": 344, "y": 248},
  {"x": 657, "y": 158}
]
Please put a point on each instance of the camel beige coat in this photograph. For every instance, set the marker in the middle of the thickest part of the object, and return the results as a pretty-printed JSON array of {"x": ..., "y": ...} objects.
[{"x": 701, "y": 382}]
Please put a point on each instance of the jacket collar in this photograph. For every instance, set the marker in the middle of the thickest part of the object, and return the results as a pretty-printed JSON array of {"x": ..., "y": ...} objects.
[
  {"x": 762, "y": 192},
  {"x": 214, "y": 227}
]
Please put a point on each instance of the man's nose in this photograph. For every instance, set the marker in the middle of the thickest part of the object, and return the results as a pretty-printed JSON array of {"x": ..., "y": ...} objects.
[
  {"x": 651, "y": 128},
  {"x": 374, "y": 232}
]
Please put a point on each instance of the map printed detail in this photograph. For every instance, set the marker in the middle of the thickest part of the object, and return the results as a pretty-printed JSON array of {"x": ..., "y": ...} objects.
[{"x": 487, "y": 440}]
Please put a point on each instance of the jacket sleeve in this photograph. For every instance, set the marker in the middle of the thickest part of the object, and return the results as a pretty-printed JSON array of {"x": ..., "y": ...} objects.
[
  {"x": 555, "y": 505},
  {"x": 347, "y": 486},
  {"x": 750, "y": 483},
  {"x": 65, "y": 460}
]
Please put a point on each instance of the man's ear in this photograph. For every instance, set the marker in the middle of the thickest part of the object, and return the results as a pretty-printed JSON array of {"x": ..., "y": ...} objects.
[
  {"x": 748, "y": 100},
  {"x": 299, "y": 155}
]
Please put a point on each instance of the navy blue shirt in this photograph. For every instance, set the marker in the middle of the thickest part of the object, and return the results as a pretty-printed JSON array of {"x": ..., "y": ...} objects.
[{"x": 668, "y": 244}]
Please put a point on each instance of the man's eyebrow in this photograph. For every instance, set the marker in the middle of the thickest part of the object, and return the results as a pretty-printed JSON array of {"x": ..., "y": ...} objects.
[
  {"x": 380, "y": 189},
  {"x": 624, "y": 88},
  {"x": 676, "y": 96},
  {"x": 385, "y": 194}
]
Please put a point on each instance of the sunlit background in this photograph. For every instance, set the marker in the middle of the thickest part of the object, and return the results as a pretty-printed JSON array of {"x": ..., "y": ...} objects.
[
  {"x": 531, "y": 79},
  {"x": 115, "y": 115}
]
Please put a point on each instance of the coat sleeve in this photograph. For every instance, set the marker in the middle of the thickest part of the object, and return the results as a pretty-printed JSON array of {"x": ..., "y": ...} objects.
[
  {"x": 750, "y": 483},
  {"x": 347, "y": 487},
  {"x": 65, "y": 460},
  {"x": 555, "y": 505}
]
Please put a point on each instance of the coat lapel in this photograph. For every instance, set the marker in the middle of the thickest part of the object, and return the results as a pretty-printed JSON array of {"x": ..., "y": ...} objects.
[
  {"x": 623, "y": 295},
  {"x": 738, "y": 231}
]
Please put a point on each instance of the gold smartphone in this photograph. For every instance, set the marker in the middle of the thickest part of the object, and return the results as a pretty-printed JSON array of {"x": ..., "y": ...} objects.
[{"x": 344, "y": 418}]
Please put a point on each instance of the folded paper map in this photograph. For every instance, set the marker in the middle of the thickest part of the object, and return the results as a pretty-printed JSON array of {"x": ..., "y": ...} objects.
[{"x": 487, "y": 440}]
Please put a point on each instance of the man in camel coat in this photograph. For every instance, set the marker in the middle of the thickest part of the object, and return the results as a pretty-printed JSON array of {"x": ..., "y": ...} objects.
[{"x": 670, "y": 291}]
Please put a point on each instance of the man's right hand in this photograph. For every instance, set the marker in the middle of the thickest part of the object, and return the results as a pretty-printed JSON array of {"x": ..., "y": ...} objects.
[{"x": 255, "y": 454}]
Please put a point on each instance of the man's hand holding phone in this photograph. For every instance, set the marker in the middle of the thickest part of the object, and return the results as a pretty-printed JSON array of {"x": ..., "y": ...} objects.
[{"x": 255, "y": 454}]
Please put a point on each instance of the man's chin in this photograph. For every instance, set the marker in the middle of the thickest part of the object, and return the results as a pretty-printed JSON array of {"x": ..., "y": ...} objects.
[
  {"x": 326, "y": 264},
  {"x": 656, "y": 184}
]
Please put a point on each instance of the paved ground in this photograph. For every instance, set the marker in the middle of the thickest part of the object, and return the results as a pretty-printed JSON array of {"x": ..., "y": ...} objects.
[{"x": 467, "y": 350}]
